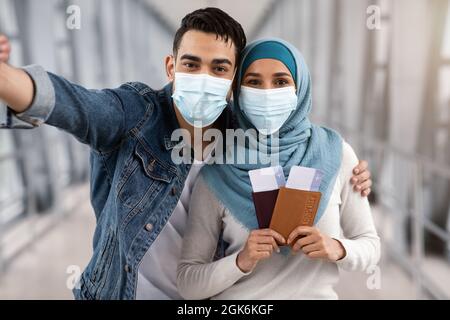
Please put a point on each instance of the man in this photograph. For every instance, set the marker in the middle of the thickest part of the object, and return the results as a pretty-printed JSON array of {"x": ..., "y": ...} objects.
[{"x": 139, "y": 195}]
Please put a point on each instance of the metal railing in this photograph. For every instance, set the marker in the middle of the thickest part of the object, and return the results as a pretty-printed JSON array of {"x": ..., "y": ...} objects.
[{"x": 419, "y": 166}]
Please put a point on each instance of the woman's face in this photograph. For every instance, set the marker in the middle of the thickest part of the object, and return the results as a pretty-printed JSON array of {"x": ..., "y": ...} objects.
[{"x": 267, "y": 74}]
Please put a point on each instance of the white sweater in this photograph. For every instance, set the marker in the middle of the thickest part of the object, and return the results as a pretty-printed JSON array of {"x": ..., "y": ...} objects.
[{"x": 347, "y": 218}]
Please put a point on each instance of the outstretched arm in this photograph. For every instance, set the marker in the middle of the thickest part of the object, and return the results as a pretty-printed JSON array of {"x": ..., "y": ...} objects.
[
  {"x": 99, "y": 118},
  {"x": 16, "y": 87}
]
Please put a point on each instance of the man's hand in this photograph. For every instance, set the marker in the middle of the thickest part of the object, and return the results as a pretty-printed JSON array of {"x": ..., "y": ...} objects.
[
  {"x": 361, "y": 179},
  {"x": 315, "y": 244},
  {"x": 260, "y": 245},
  {"x": 5, "y": 49}
]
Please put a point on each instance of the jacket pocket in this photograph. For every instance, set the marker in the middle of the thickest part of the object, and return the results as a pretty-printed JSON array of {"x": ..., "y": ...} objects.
[{"x": 142, "y": 174}]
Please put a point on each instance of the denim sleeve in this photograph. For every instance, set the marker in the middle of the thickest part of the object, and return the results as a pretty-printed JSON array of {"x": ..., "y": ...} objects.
[
  {"x": 41, "y": 107},
  {"x": 95, "y": 117}
]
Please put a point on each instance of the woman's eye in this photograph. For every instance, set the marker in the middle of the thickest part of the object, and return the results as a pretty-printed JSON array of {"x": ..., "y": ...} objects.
[
  {"x": 253, "y": 82},
  {"x": 281, "y": 82}
]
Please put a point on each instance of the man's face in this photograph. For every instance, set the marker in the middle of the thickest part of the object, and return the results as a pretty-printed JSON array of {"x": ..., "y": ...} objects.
[{"x": 201, "y": 52}]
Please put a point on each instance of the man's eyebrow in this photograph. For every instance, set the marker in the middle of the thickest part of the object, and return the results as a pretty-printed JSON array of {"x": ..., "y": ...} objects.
[
  {"x": 191, "y": 57},
  {"x": 281, "y": 74},
  {"x": 222, "y": 61},
  {"x": 252, "y": 74}
]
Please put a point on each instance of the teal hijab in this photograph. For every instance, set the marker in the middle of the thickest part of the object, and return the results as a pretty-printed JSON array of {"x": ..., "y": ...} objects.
[{"x": 300, "y": 142}]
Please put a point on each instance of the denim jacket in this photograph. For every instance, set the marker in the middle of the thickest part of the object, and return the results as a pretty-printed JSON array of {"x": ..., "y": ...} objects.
[{"x": 135, "y": 185}]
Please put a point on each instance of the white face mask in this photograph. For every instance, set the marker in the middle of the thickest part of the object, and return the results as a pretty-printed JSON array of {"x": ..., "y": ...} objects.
[
  {"x": 200, "y": 98},
  {"x": 268, "y": 109}
]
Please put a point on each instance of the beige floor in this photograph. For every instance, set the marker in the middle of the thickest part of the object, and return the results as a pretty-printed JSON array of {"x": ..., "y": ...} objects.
[{"x": 41, "y": 272}]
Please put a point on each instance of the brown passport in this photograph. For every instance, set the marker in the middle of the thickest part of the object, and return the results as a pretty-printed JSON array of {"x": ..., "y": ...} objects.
[
  {"x": 294, "y": 208},
  {"x": 264, "y": 202}
]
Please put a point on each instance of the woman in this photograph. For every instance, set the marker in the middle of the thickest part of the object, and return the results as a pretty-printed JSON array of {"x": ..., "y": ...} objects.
[{"x": 275, "y": 97}]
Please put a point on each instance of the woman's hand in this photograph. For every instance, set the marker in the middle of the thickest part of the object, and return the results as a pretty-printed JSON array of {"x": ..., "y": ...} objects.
[
  {"x": 260, "y": 245},
  {"x": 315, "y": 244}
]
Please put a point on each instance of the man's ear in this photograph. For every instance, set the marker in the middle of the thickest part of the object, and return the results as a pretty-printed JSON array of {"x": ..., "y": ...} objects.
[{"x": 170, "y": 67}]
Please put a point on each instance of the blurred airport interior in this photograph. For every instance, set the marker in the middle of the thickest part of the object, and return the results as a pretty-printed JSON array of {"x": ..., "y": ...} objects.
[{"x": 381, "y": 77}]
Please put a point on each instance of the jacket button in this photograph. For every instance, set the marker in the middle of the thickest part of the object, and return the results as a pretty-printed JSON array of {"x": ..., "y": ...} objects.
[
  {"x": 174, "y": 191},
  {"x": 149, "y": 227},
  {"x": 127, "y": 268},
  {"x": 151, "y": 165}
]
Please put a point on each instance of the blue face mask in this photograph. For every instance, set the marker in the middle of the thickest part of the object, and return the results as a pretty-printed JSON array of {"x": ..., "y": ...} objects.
[
  {"x": 268, "y": 109},
  {"x": 200, "y": 98}
]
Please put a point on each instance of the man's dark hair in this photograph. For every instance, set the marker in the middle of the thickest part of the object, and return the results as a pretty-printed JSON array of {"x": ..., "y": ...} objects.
[{"x": 215, "y": 21}]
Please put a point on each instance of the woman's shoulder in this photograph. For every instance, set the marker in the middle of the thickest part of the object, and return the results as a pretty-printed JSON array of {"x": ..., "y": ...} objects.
[
  {"x": 203, "y": 201},
  {"x": 348, "y": 162},
  {"x": 202, "y": 189},
  {"x": 200, "y": 185}
]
